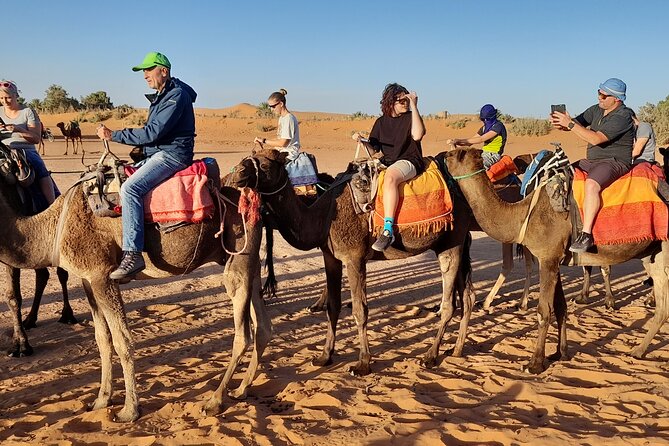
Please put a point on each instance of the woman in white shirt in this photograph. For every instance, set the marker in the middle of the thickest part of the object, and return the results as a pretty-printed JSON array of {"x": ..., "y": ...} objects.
[{"x": 288, "y": 131}]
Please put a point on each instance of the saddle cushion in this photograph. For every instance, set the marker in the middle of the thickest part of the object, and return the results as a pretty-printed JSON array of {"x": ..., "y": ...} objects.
[
  {"x": 301, "y": 171},
  {"x": 184, "y": 197},
  {"x": 631, "y": 209},
  {"x": 425, "y": 203}
]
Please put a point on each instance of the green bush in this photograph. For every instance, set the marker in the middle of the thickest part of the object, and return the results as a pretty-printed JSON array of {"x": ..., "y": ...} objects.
[
  {"x": 122, "y": 111},
  {"x": 359, "y": 115},
  {"x": 137, "y": 118},
  {"x": 265, "y": 128},
  {"x": 100, "y": 116},
  {"x": 530, "y": 127},
  {"x": 460, "y": 123},
  {"x": 264, "y": 111}
]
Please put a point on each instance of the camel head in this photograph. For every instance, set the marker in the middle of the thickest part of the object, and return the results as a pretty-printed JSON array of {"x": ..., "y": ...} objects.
[
  {"x": 61, "y": 125},
  {"x": 264, "y": 171},
  {"x": 464, "y": 161}
]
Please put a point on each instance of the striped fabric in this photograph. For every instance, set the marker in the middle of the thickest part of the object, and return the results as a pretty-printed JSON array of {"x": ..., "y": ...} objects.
[
  {"x": 631, "y": 209},
  {"x": 424, "y": 206}
]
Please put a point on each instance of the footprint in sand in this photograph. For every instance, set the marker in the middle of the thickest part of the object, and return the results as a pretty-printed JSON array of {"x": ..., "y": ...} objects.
[{"x": 173, "y": 310}]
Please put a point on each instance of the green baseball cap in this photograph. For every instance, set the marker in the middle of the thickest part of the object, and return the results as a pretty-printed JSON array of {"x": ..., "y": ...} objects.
[{"x": 151, "y": 60}]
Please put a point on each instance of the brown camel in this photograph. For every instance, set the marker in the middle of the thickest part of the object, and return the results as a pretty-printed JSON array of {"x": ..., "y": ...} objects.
[
  {"x": 547, "y": 237},
  {"x": 72, "y": 132},
  {"x": 20, "y": 344},
  {"x": 332, "y": 225},
  {"x": 69, "y": 235}
]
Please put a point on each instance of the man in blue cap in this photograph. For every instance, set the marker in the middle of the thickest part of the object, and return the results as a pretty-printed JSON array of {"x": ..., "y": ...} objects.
[
  {"x": 166, "y": 143},
  {"x": 608, "y": 129}
]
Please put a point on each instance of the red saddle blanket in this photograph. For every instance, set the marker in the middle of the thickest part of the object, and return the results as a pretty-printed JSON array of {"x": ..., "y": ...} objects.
[
  {"x": 425, "y": 203},
  {"x": 631, "y": 209},
  {"x": 184, "y": 197}
]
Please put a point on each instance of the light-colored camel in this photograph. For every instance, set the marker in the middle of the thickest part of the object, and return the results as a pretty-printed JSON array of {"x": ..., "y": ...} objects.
[
  {"x": 69, "y": 235},
  {"x": 71, "y": 132},
  {"x": 547, "y": 237},
  {"x": 332, "y": 225}
]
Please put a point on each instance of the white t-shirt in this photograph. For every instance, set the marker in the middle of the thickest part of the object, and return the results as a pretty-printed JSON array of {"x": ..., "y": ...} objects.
[
  {"x": 26, "y": 117},
  {"x": 288, "y": 128}
]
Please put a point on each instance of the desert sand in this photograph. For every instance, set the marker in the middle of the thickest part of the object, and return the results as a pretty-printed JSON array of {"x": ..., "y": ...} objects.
[{"x": 183, "y": 332}]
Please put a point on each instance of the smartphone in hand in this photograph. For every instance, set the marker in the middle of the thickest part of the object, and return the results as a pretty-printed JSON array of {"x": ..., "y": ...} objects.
[{"x": 558, "y": 108}]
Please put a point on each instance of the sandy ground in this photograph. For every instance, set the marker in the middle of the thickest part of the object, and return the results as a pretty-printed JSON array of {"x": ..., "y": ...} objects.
[{"x": 183, "y": 333}]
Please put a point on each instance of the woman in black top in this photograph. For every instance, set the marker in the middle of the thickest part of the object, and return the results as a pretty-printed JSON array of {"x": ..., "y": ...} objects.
[{"x": 397, "y": 134}]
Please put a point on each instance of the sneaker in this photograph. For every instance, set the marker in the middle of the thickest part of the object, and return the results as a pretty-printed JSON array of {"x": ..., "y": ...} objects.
[
  {"x": 384, "y": 241},
  {"x": 583, "y": 242},
  {"x": 131, "y": 264}
]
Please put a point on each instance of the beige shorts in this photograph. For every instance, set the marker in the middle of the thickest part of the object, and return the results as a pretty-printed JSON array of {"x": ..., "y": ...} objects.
[{"x": 405, "y": 168}]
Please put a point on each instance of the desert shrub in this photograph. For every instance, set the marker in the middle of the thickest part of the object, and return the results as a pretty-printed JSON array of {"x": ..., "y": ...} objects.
[
  {"x": 82, "y": 117},
  {"x": 233, "y": 114},
  {"x": 264, "y": 111},
  {"x": 507, "y": 119},
  {"x": 265, "y": 127},
  {"x": 122, "y": 111},
  {"x": 530, "y": 127},
  {"x": 359, "y": 115},
  {"x": 137, "y": 118},
  {"x": 460, "y": 123},
  {"x": 658, "y": 117},
  {"x": 100, "y": 116}
]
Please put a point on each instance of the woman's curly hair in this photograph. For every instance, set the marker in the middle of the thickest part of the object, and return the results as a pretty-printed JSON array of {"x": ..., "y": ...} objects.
[{"x": 390, "y": 93}]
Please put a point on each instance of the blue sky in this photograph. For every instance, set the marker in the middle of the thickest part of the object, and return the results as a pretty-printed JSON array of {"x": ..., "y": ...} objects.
[{"x": 520, "y": 56}]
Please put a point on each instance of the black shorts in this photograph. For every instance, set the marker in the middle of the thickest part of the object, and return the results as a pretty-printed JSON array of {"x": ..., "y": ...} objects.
[{"x": 603, "y": 171}]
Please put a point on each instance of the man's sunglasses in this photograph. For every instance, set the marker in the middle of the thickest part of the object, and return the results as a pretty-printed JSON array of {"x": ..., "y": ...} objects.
[{"x": 273, "y": 105}]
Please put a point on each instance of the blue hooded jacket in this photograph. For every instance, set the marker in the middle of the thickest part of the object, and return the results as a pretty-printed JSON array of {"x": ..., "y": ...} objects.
[{"x": 170, "y": 125}]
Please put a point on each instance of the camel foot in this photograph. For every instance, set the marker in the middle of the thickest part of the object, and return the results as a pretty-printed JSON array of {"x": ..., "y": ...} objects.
[
  {"x": 99, "y": 403},
  {"x": 65, "y": 153},
  {"x": 68, "y": 318},
  {"x": 18, "y": 351},
  {"x": 534, "y": 367},
  {"x": 610, "y": 306},
  {"x": 638, "y": 353},
  {"x": 581, "y": 300},
  {"x": 213, "y": 407},
  {"x": 322, "y": 361},
  {"x": 650, "y": 301},
  {"x": 29, "y": 322},
  {"x": 127, "y": 415},
  {"x": 429, "y": 361},
  {"x": 555, "y": 356},
  {"x": 238, "y": 394},
  {"x": 360, "y": 369},
  {"x": 317, "y": 307}
]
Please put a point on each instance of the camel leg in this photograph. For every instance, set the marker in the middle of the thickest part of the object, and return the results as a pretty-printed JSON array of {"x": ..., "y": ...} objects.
[
  {"x": 356, "y": 270},
  {"x": 606, "y": 274},
  {"x": 262, "y": 335},
  {"x": 333, "y": 276},
  {"x": 20, "y": 344},
  {"x": 549, "y": 271},
  {"x": 507, "y": 267},
  {"x": 41, "y": 279},
  {"x": 529, "y": 266},
  {"x": 658, "y": 272},
  {"x": 560, "y": 307},
  {"x": 239, "y": 286},
  {"x": 66, "y": 315},
  {"x": 108, "y": 299},
  {"x": 448, "y": 264},
  {"x": 66, "y": 145},
  {"x": 321, "y": 303},
  {"x": 585, "y": 290}
]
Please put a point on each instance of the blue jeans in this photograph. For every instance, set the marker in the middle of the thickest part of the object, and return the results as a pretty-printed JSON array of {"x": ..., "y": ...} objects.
[{"x": 153, "y": 171}]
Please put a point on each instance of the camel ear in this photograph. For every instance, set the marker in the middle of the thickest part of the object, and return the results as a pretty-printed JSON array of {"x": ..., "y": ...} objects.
[{"x": 664, "y": 151}]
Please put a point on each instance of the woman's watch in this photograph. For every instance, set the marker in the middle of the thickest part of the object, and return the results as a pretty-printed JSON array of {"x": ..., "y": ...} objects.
[{"x": 571, "y": 125}]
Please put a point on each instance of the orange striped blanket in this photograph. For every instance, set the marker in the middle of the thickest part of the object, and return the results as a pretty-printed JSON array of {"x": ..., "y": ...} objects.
[
  {"x": 184, "y": 197},
  {"x": 424, "y": 206},
  {"x": 631, "y": 209}
]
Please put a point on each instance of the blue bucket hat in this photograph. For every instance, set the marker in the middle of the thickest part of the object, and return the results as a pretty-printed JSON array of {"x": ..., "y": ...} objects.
[
  {"x": 614, "y": 87},
  {"x": 488, "y": 111}
]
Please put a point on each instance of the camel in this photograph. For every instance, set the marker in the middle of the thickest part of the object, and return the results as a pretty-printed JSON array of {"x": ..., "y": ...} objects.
[
  {"x": 20, "y": 344},
  {"x": 67, "y": 234},
  {"x": 72, "y": 132},
  {"x": 547, "y": 237},
  {"x": 332, "y": 225}
]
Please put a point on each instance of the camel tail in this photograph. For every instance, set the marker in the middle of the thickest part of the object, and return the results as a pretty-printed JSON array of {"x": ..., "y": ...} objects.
[{"x": 269, "y": 288}]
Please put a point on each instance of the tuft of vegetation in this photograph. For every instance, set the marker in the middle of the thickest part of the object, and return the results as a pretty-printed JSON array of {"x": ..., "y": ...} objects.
[
  {"x": 99, "y": 116},
  {"x": 122, "y": 111},
  {"x": 265, "y": 128},
  {"x": 460, "y": 123},
  {"x": 137, "y": 118},
  {"x": 358, "y": 116},
  {"x": 530, "y": 127},
  {"x": 264, "y": 111},
  {"x": 658, "y": 117}
]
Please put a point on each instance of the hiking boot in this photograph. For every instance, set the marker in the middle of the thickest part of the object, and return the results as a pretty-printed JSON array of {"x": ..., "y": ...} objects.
[
  {"x": 131, "y": 264},
  {"x": 384, "y": 241},
  {"x": 583, "y": 242}
]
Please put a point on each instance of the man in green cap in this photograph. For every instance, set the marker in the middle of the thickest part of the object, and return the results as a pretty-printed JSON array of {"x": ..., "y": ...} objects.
[{"x": 166, "y": 141}]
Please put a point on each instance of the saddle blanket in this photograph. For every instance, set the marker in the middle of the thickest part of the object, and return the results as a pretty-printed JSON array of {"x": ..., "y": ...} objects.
[
  {"x": 184, "y": 197},
  {"x": 301, "y": 171},
  {"x": 425, "y": 203},
  {"x": 631, "y": 209}
]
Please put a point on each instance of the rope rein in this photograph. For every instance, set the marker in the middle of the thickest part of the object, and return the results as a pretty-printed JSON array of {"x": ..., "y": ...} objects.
[{"x": 462, "y": 177}]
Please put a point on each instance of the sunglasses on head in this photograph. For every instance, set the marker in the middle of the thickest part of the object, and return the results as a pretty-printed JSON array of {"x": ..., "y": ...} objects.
[{"x": 7, "y": 85}]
